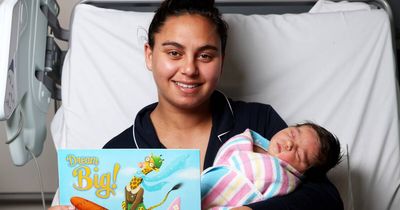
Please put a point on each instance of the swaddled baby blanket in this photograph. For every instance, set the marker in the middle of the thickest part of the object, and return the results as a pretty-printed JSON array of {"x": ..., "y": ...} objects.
[{"x": 240, "y": 176}]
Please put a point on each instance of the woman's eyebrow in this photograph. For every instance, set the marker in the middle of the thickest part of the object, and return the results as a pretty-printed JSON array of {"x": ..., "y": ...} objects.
[
  {"x": 180, "y": 46},
  {"x": 208, "y": 47},
  {"x": 175, "y": 44}
]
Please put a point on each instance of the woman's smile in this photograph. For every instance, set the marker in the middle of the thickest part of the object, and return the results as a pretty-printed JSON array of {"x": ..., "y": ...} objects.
[{"x": 186, "y": 85}]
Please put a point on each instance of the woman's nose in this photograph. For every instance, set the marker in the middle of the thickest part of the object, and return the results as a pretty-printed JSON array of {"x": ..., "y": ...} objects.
[{"x": 190, "y": 68}]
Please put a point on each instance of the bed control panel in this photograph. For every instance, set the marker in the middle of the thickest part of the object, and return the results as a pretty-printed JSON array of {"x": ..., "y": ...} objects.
[
  {"x": 24, "y": 100},
  {"x": 10, "y": 101},
  {"x": 11, "y": 22}
]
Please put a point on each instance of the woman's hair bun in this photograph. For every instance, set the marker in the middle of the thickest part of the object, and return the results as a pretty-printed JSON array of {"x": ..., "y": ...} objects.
[{"x": 187, "y": 4}]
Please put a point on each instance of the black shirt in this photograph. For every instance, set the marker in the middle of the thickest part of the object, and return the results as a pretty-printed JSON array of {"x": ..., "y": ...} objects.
[{"x": 228, "y": 119}]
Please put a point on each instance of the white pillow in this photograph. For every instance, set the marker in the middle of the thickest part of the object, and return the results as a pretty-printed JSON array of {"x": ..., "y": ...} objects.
[{"x": 329, "y": 6}]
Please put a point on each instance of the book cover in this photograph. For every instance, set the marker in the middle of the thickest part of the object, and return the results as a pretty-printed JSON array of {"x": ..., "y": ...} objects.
[{"x": 139, "y": 179}]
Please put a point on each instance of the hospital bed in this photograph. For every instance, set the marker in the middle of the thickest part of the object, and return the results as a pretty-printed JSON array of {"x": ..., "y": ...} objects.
[{"x": 331, "y": 63}]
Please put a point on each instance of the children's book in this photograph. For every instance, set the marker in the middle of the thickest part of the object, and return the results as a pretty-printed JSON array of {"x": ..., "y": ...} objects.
[{"x": 138, "y": 179}]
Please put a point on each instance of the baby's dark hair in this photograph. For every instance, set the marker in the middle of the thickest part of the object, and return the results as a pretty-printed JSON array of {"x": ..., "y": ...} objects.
[
  {"x": 329, "y": 154},
  {"x": 204, "y": 8}
]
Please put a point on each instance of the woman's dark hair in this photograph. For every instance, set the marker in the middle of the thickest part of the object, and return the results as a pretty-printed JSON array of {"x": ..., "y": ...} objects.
[
  {"x": 329, "y": 154},
  {"x": 204, "y": 8}
]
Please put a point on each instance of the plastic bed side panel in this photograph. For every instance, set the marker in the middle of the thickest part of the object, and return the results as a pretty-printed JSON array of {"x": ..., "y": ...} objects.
[{"x": 26, "y": 127}]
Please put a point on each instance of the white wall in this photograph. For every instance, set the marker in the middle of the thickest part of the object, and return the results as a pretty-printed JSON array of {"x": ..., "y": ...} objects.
[{"x": 18, "y": 182}]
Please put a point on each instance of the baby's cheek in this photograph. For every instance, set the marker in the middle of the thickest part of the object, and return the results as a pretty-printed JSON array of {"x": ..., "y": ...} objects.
[
  {"x": 282, "y": 157},
  {"x": 288, "y": 158}
]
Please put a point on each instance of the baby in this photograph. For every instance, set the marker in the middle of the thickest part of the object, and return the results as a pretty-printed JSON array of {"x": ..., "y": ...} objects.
[{"x": 249, "y": 168}]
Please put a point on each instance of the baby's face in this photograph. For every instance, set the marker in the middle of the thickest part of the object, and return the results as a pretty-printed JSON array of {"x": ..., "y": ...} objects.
[{"x": 298, "y": 146}]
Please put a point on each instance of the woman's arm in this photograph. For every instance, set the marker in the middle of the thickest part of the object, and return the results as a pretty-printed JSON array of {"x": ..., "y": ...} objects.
[
  {"x": 62, "y": 208},
  {"x": 312, "y": 194},
  {"x": 242, "y": 208}
]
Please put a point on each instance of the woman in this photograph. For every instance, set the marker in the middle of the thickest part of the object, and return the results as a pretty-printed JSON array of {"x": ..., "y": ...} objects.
[{"x": 185, "y": 53}]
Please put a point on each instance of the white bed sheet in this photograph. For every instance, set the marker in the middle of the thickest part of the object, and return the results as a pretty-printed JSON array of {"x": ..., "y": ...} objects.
[{"x": 336, "y": 69}]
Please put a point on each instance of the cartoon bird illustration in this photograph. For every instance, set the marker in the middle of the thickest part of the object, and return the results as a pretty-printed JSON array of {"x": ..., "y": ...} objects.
[
  {"x": 151, "y": 163},
  {"x": 133, "y": 191}
]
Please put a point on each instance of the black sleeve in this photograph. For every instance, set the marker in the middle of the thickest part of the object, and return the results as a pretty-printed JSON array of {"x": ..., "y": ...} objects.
[{"x": 311, "y": 195}]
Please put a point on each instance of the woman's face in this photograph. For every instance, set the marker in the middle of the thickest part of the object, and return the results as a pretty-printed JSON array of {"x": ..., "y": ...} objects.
[
  {"x": 186, "y": 61},
  {"x": 298, "y": 146}
]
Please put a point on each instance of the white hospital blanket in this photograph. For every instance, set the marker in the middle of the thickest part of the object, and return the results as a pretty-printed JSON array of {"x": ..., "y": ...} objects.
[{"x": 336, "y": 69}]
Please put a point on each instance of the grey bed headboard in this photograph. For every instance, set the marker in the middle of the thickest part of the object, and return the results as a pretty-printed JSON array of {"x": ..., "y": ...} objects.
[{"x": 232, "y": 6}]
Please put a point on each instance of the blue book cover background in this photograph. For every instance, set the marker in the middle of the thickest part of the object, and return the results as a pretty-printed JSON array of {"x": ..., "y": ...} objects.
[{"x": 162, "y": 178}]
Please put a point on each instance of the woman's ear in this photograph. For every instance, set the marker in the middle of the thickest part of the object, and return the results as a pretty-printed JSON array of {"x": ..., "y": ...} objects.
[{"x": 148, "y": 54}]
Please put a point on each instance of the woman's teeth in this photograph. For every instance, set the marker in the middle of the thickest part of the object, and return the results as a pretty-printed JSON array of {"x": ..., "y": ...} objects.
[{"x": 186, "y": 85}]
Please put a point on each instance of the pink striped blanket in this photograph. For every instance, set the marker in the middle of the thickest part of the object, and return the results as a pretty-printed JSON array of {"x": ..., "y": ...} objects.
[{"x": 241, "y": 176}]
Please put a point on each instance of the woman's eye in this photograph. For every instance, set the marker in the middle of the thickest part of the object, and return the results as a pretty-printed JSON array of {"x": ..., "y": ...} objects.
[
  {"x": 174, "y": 54},
  {"x": 205, "y": 57}
]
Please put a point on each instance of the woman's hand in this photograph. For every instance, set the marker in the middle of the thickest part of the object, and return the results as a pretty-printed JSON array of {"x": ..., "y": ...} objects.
[
  {"x": 62, "y": 208},
  {"x": 242, "y": 208}
]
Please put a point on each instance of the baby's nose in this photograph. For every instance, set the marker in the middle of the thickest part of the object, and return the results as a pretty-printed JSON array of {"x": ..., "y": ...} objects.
[{"x": 289, "y": 145}]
